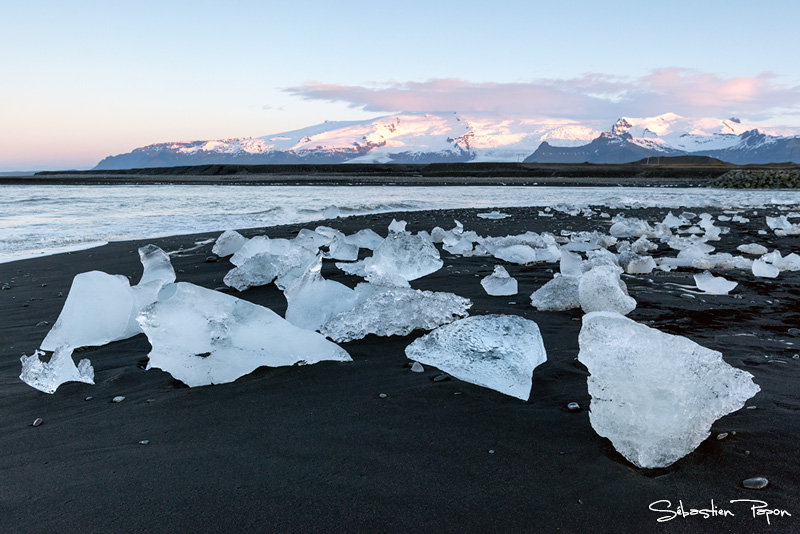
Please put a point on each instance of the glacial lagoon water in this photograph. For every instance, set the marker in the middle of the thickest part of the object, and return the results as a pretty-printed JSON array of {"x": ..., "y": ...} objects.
[{"x": 37, "y": 220}]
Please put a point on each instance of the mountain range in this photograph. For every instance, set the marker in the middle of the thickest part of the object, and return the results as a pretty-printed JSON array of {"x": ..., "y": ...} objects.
[{"x": 456, "y": 137}]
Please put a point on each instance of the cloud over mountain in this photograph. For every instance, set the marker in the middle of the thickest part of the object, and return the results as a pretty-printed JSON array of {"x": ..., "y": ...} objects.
[{"x": 686, "y": 92}]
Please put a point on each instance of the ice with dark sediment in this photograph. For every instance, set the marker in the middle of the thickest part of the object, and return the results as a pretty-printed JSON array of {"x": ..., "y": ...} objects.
[
  {"x": 655, "y": 395},
  {"x": 602, "y": 289},
  {"x": 61, "y": 368},
  {"x": 228, "y": 243},
  {"x": 498, "y": 352},
  {"x": 714, "y": 285},
  {"x": 312, "y": 301},
  {"x": 101, "y": 308},
  {"x": 499, "y": 283},
  {"x": 385, "y": 308},
  {"x": 204, "y": 337}
]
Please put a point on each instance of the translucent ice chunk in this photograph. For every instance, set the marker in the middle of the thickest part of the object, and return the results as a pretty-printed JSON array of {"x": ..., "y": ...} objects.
[
  {"x": 406, "y": 255},
  {"x": 499, "y": 283},
  {"x": 312, "y": 301},
  {"x": 494, "y": 214},
  {"x": 714, "y": 285},
  {"x": 752, "y": 248},
  {"x": 641, "y": 265},
  {"x": 340, "y": 249},
  {"x": 397, "y": 227},
  {"x": 524, "y": 254},
  {"x": 499, "y": 352},
  {"x": 262, "y": 268},
  {"x": 389, "y": 311},
  {"x": 228, "y": 243},
  {"x": 310, "y": 239},
  {"x": 602, "y": 289},
  {"x": 157, "y": 267},
  {"x": 61, "y": 368},
  {"x": 365, "y": 238},
  {"x": 655, "y": 395},
  {"x": 763, "y": 269},
  {"x": 204, "y": 337},
  {"x": 570, "y": 263},
  {"x": 560, "y": 293}
]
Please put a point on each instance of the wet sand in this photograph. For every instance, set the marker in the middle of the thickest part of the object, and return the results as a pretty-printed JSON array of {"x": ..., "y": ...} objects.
[{"x": 315, "y": 449}]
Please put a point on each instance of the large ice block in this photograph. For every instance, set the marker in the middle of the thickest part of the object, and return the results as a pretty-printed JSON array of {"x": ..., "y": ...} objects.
[
  {"x": 204, "y": 337},
  {"x": 499, "y": 352},
  {"x": 655, "y": 395}
]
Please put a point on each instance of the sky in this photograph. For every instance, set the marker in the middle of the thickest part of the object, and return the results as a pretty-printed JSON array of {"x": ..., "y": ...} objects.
[{"x": 82, "y": 80}]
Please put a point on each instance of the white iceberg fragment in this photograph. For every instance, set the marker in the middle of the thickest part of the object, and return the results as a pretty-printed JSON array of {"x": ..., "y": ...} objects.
[
  {"x": 403, "y": 254},
  {"x": 763, "y": 269},
  {"x": 397, "y": 227},
  {"x": 641, "y": 265},
  {"x": 493, "y": 215},
  {"x": 499, "y": 283},
  {"x": 714, "y": 285},
  {"x": 499, "y": 352},
  {"x": 61, "y": 368},
  {"x": 204, "y": 337},
  {"x": 655, "y": 395},
  {"x": 602, "y": 289},
  {"x": 312, "y": 301},
  {"x": 365, "y": 238},
  {"x": 560, "y": 293},
  {"x": 390, "y": 310},
  {"x": 752, "y": 248},
  {"x": 264, "y": 267},
  {"x": 228, "y": 243}
]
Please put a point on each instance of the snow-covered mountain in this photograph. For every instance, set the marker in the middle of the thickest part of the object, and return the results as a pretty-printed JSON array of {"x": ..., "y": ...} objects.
[{"x": 456, "y": 137}]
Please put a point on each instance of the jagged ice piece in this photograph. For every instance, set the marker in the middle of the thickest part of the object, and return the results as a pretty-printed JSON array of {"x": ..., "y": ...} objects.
[{"x": 61, "y": 368}]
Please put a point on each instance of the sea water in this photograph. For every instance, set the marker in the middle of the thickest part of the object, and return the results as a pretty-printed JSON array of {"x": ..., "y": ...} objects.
[{"x": 46, "y": 219}]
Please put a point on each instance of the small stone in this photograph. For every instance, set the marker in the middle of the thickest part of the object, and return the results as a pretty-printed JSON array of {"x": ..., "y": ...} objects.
[
  {"x": 796, "y": 356},
  {"x": 42, "y": 323},
  {"x": 574, "y": 407},
  {"x": 37, "y": 422},
  {"x": 491, "y": 451},
  {"x": 383, "y": 395},
  {"x": 118, "y": 398},
  {"x": 747, "y": 452},
  {"x": 148, "y": 401},
  {"x": 580, "y": 501},
  {"x": 6, "y": 287},
  {"x": 722, "y": 436},
  {"x": 733, "y": 432},
  {"x": 417, "y": 368},
  {"x": 144, "y": 442},
  {"x": 441, "y": 378},
  {"x": 44, "y": 285},
  {"x": 794, "y": 331},
  {"x": 88, "y": 398},
  {"x": 211, "y": 259},
  {"x": 755, "y": 483},
  {"x": 751, "y": 408}
]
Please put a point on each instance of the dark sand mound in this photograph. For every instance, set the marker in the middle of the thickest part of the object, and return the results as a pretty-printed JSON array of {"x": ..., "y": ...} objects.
[{"x": 314, "y": 448}]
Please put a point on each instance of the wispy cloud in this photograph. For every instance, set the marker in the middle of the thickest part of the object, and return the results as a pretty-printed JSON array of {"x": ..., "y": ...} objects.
[{"x": 591, "y": 96}]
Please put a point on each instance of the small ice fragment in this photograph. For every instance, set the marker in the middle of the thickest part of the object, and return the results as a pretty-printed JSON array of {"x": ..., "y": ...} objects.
[
  {"x": 763, "y": 269},
  {"x": 397, "y": 227},
  {"x": 714, "y": 285},
  {"x": 655, "y": 395},
  {"x": 204, "y": 337},
  {"x": 499, "y": 352},
  {"x": 118, "y": 398},
  {"x": 417, "y": 368},
  {"x": 228, "y": 243},
  {"x": 641, "y": 265},
  {"x": 499, "y": 283},
  {"x": 602, "y": 289},
  {"x": 752, "y": 248},
  {"x": 61, "y": 368},
  {"x": 365, "y": 238},
  {"x": 494, "y": 214}
]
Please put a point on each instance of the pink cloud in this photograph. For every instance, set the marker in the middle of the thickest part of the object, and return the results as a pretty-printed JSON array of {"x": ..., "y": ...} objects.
[{"x": 591, "y": 96}]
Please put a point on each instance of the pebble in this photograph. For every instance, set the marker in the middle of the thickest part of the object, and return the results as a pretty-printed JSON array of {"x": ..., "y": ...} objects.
[
  {"x": 794, "y": 331},
  {"x": 750, "y": 408},
  {"x": 42, "y": 323},
  {"x": 441, "y": 378},
  {"x": 211, "y": 259},
  {"x": 383, "y": 395},
  {"x": 6, "y": 287},
  {"x": 89, "y": 398},
  {"x": 574, "y": 407},
  {"x": 417, "y": 368},
  {"x": 755, "y": 483},
  {"x": 144, "y": 442},
  {"x": 491, "y": 451},
  {"x": 722, "y": 436},
  {"x": 118, "y": 398},
  {"x": 37, "y": 422},
  {"x": 796, "y": 356}
]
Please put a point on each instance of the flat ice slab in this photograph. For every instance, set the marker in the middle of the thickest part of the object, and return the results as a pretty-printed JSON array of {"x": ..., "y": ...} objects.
[
  {"x": 204, "y": 337},
  {"x": 499, "y": 352},
  {"x": 655, "y": 395}
]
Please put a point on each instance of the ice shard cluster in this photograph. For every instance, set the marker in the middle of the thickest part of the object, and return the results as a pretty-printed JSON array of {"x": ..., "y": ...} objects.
[
  {"x": 655, "y": 395},
  {"x": 204, "y": 337},
  {"x": 61, "y": 368},
  {"x": 499, "y": 352}
]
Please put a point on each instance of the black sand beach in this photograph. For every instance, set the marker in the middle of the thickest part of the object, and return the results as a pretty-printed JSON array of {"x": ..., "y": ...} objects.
[{"x": 315, "y": 449}]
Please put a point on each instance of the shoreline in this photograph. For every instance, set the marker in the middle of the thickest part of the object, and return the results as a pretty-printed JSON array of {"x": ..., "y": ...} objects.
[{"x": 312, "y": 448}]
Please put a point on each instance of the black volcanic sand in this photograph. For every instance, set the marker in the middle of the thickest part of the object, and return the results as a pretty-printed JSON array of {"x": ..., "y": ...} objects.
[{"x": 315, "y": 449}]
